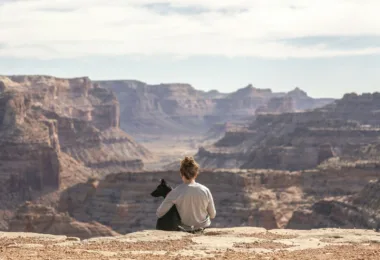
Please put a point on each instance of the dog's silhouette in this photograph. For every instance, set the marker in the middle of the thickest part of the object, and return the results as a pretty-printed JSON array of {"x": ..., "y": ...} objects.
[{"x": 171, "y": 220}]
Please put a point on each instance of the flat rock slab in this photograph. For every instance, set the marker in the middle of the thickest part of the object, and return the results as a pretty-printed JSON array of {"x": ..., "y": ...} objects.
[{"x": 229, "y": 243}]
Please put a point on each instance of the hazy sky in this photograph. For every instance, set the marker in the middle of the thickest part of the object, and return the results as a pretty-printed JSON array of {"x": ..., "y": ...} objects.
[{"x": 326, "y": 47}]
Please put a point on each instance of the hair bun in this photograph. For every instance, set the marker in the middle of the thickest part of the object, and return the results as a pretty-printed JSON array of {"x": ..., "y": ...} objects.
[
  {"x": 189, "y": 168},
  {"x": 188, "y": 161}
]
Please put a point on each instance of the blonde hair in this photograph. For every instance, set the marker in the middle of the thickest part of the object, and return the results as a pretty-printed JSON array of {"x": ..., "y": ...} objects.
[{"x": 189, "y": 168}]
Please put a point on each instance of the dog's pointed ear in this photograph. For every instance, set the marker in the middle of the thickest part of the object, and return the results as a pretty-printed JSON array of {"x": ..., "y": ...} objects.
[{"x": 163, "y": 181}]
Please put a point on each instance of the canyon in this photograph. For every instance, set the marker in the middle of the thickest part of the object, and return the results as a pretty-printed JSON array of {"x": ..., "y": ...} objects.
[
  {"x": 360, "y": 210},
  {"x": 175, "y": 119},
  {"x": 57, "y": 132},
  {"x": 73, "y": 116},
  {"x": 180, "y": 109},
  {"x": 346, "y": 129},
  {"x": 253, "y": 197},
  {"x": 80, "y": 157}
]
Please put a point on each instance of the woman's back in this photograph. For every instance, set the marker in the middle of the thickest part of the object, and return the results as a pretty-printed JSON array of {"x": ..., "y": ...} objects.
[
  {"x": 195, "y": 204},
  {"x": 194, "y": 201}
]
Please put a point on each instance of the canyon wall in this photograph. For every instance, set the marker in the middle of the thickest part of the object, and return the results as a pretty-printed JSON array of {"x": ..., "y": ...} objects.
[
  {"x": 347, "y": 129},
  {"x": 264, "y": 198},
  {"x": 29, "y": 147},
  {"x": 41, "y": 219},
  {"x": 278, "y": 105},
  {"x": 81, "y": 120},
  {"x": 161, "y": 109},
  {"x": 168, "y": 109},
  {"x": 55, "y": 133},
  {"x": 361, "y": 210}
]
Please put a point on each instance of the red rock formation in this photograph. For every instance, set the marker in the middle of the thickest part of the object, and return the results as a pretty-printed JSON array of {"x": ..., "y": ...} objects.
[
  {"x": 82, "y": 120},
  {"x": 295, "y": 141},
  {"x": 160, "y": 109},
  {"x": 263, "y": 198},
  {"x": 180, "y": 109},
  {"x": 50, "y": 130},
  {"x": 263, "y": 218},
  {"x": 45, "y": 220},
  {"x": 303, "y": 102},
  {"x": 361, "y": 210},
  {"x": 244, "y": 101},
  {"x": 278, "y": 105},
  {"x": 29, "y": 148}
]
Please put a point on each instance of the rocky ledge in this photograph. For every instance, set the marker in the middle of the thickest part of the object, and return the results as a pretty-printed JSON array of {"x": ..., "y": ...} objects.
[
  {"x": 37, "y": 218},
  {"x": 232, "y": 243}
]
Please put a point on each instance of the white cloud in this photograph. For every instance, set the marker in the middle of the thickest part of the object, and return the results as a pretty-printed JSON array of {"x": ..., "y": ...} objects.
[{"x": 74, "y": 28}]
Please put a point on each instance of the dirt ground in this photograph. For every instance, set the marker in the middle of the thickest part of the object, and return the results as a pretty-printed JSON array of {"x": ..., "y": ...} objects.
[{"x": 232, "y": 243}]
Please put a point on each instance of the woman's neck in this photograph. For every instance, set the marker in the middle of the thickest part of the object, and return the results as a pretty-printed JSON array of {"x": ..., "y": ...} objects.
[{"x": 189, "y": 181}]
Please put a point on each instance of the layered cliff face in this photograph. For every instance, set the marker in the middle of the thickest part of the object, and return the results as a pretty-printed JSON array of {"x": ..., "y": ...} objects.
[
  {"x": 41, "y": 219},
  {"x": 80, "y": 118},
  {"x": 262, "y": 198},
  {"x": 361, "y": 210},
  {"x": 123, "y": 201},
  {"x": 181, "y": 109},
  {"x": 278, "y": 105},
  {"x": 244, "y": 101},
  {"x": 55, "y": 133},
  {"x": 347, "y": 129},
  {"x": 29, "y": 147},
  {"x": 29, "y": 153},
  {"x": 160, "y": 109},
  {"x": 303, "y": 102},
  {"x": 29, "y": 185}
]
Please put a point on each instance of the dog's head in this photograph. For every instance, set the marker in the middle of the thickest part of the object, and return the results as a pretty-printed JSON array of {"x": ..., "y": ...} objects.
[{"x": 162, "y": 189}]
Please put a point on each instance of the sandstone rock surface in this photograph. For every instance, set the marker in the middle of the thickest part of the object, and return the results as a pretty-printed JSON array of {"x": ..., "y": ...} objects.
[
  {"x": 74, "y": 116},
  {"x": 168, "y": 109},
  {"x": 361, "y": 210},
  {"x": 347, "y": 129},
  {"x": 37, "y": 218},
  {"x": 55, "y": 133},
  {"x": 260, "y": 198},
  {"x": 278, "y": 105},
  {"x": 232, "y": 243}
]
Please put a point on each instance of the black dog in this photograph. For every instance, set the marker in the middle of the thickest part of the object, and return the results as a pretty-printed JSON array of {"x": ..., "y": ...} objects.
[{"x": 171, "y": 220}]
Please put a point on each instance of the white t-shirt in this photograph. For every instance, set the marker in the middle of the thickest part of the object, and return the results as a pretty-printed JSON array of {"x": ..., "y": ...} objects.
[{"x": 194, "y": 203}]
